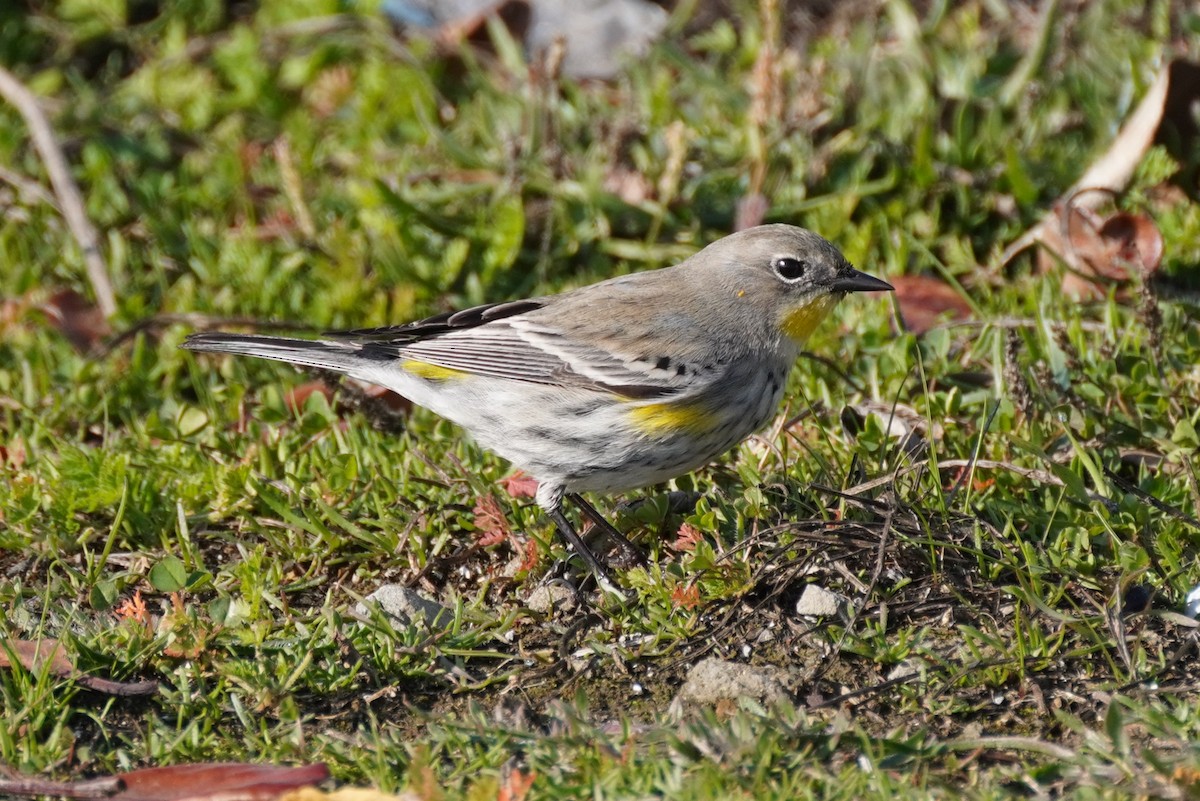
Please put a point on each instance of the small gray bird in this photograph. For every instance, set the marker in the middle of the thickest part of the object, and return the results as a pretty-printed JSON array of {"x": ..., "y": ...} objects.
[{"x": 617, "y": 385}]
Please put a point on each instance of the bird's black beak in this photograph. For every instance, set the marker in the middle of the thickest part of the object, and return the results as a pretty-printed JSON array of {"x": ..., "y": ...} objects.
[{"x": 853, "y": 281}]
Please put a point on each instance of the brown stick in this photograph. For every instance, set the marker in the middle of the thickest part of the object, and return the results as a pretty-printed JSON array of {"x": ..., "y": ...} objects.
[
  {"x": 93, "y": 788},
  {"x": 69, "y": 198}
]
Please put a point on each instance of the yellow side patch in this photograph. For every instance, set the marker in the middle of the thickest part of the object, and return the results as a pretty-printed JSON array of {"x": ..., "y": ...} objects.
[
  {"x": 670, "y": 418},
  {"x": 798, "y": 323},
  {"x": 431, "y": 372}
]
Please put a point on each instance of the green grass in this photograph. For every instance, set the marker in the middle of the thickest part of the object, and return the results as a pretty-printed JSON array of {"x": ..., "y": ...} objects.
[{"x": 919, "y": 142}]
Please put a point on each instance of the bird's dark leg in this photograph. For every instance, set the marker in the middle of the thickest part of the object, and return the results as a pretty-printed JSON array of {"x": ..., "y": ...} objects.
[
  {"x": 599, "y": 570},
  {"x": 631, "y": 551}
]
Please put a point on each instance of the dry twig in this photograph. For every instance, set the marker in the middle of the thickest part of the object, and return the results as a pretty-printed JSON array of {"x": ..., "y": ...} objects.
[{"x": 69, "y": 198}]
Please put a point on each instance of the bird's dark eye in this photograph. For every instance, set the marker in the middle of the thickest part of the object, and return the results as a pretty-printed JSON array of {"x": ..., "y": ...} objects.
[{"x": 788, "y": 268}]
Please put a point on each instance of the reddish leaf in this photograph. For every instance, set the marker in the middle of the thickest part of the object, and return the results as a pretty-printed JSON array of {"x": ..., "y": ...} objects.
[
  {"x": 925, "y": 301},
  {"x": 516, "y": 786},
  {"x": 13, "y": 454},
  {"x": 687, "y": 538},
  {"x": 296, "y": 397},
  {"x": 1186, "y": 775},
  {"x": 217, "y": 780},
  {"x": 490, "y": 522},
  {"x": 134, "y": 609},
  {"x": 1135, "y": 239},
  {"x": 530, "y": 559},
  {"x": 79, "y": 320},
  {"x": 687, "y": 597},
  {"x": 519, "y": 485}
]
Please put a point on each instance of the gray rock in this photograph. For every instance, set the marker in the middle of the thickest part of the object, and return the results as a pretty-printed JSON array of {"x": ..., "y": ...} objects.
[
  {"x": 714, "y": 680},
  {"x": 404, "y": 605},
  {"x": 1191, "y": 604},
  {"x": 598, "y": 34},
  {"x": 913, "y": 667},
  {"x": 816, "y": 601},
  {"x": 551, "y": 597}
]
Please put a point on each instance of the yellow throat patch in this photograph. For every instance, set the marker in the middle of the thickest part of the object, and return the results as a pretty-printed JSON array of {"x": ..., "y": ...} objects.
[{"x": 798, "y": 322}]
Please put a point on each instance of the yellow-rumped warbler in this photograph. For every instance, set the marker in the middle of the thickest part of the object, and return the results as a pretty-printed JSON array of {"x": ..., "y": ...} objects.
[{"x": 613, "y": 386}]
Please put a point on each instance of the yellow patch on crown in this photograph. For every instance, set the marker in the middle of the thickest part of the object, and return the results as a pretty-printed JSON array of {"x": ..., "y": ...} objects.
[
  {"x": 671, "y": 418},
  {"x": 798, "y": 322},
  {"x": 431, "y": 372}
]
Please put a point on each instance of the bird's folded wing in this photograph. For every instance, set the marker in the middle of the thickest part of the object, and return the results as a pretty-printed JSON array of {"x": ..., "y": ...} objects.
[
  {"x": 440, "y": 324},
  {"x": 506, "y": 350},
  {"x": 516, "y": 341}
]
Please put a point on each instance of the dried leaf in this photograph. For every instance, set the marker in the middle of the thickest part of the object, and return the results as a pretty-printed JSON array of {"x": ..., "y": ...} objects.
[
  {"x": 490, "y": 522},
  {"x": 516, "y": 786},
  {"x": 687, "y": 538},
  {"x": 217, "y": 781},
  {"x": 13, "y": 454},
  {"x": 1136, "y": 241},
  {"x": 1074, "y": 240},
  {"x": 519, "y": 485},
  {"x": 79, "y": 320},
  {"x": 1101, "y": 250},
  {"x": 687, "y": 597},
  {"x": 34, "y": 655},
  {"x": 134, "y": 609},
  {"x": 297, "y": 396},
  {"x": 1186, "y": 775},
  {"x": 925, "y": 301},
  {"x": 529, "y": 559},
  {"x": 1163, "y": 117}
]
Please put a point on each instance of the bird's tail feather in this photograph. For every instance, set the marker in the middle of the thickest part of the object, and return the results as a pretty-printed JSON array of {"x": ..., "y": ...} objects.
[{"x": 340, "y": 357}]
